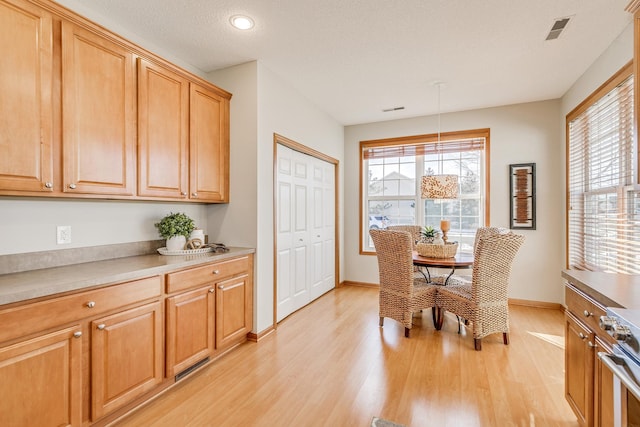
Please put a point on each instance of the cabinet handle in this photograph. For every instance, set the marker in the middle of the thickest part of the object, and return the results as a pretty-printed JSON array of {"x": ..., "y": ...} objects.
[
  {"x": 216, "y": 271},
  {"x": 77, "y": 334},
  {"x": 91, "y": 304},
  {"x": 194, "y": 194},
  {"x": 48, "y": 184},
  {"x": 582, "y": 336},
  {"x": 221, "y": 287},
  {"x": 101, "y": 326},
  {"x": 72, "y": 186},
  {"x": 587, "y": 314},
  {"x": 211, "y": 290},
  {"x": 592, "y": 345}
]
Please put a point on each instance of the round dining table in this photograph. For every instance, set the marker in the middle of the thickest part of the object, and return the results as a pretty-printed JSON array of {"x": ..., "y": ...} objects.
[{"x": 460, "y": 261}]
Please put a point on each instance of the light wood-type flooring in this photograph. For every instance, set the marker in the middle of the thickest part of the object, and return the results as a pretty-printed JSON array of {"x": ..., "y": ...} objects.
[{"x": 330, "y": 364}]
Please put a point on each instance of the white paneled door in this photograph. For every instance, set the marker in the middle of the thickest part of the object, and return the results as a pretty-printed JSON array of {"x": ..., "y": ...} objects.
[{"x": 305, "y": 244}]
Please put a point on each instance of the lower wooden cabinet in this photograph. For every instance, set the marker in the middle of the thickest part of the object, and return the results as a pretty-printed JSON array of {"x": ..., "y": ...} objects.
[
  {"x": 126, "y": 357},
  {"x": 41, "y": 380},
  {"x": 233, "y": 317},
  {"x": 93, "y": 355},
  {"x": 190, "y": 328},
  {"x": 212, "y": 312},
  {"x": 579, "y": 369},
  {"x": 588, "y": 383}
]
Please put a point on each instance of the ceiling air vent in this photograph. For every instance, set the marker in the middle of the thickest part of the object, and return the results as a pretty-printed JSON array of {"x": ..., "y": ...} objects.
[{"x": 558, "y": 26}]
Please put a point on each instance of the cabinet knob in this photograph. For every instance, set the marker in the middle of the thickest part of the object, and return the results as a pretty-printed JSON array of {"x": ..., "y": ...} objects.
[
  {"x": 91, "y": 304},
  {"x": 211, "y": 290},
  {"x": 183, "y": 193},
  {"x": 582, "y": 336},
  {"x": 221, "y": 287},
  {"x": 216, "y": 271},
  {"x": 48, "y": 184},
  {"x": 101, "y": 326},
  {"x": 587, "y": 314},
  {"x": 194, "y": 194},
  {"x": 72, "y": 186},
  {"x": 77, "y": 334},
  {"x": 592, "y": 345}
]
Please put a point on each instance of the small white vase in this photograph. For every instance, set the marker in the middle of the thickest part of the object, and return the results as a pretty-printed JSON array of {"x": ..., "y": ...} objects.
[{"x": 176, "y": 243}]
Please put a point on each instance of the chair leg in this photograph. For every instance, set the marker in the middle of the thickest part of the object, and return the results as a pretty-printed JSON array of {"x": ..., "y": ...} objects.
[
  {"x": 505, "y": 338},
  {"x": 459, "y": 321},
  {"x": 440, "y": 312},
  {"x": 407, "y": 332},
  {"x": 477, "y": 343},
  {"x": 381, "y": 321},
  {"x": 434, "y": 317}
]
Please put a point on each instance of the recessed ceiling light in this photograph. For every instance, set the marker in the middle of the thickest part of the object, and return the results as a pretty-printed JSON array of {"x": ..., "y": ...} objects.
[{"x": 241, "y": 22}]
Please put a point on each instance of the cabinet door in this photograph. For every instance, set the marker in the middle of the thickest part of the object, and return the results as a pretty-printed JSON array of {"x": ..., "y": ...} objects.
[
  {"x": 190, "y": 328},
  {"x": 603, "y": 389},
  {"x": 233, "y": 310},
  {"x": 208, "y": 145},
  {"x": 579, "y": 369},
  {"x": 163, "y": 132},
  {"x": 126, "y": 357},
  {"x": 41, "y": 380},
  {"x": 25, "y": 97},
  {"x": 98, "y": 100}
]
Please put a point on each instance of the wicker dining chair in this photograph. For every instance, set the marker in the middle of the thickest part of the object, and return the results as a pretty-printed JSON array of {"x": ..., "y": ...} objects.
[
  {"x": 484, "y": 302},
  {"x": 413, "y": 229},
  {"x": 401, "y": 294}
]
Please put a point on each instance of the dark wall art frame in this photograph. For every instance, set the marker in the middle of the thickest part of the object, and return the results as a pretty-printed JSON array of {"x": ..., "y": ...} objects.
[{"x": 522, "y": 201}]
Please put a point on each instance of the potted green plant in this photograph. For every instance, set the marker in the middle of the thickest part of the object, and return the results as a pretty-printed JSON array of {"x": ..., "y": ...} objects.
[
  {"x": 176, "y": 228},
  {"x": 427, "y": 234}
]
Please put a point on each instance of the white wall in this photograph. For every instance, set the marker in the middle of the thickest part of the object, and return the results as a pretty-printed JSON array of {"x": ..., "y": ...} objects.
[
  {"x": 29, "y": 224},
  {"x": 523, "y": 133},
  {"x": 282, "y": 110}
]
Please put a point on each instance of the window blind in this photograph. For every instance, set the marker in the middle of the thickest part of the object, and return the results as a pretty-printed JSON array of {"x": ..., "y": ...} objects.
[
  {"x": 603, "y": 205},
  {"x": 424, "y": 148}
]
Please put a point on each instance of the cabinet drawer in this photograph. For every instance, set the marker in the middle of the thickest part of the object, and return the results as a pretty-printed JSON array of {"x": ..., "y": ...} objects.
[
  {"x": 30, "y": 318},
  {"x": 584, "y": 308},
  {"x": 210, "y": 273}
]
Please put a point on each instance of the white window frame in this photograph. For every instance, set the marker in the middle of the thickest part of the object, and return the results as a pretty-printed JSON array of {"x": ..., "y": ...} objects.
[{"x": 450, "y": 138}]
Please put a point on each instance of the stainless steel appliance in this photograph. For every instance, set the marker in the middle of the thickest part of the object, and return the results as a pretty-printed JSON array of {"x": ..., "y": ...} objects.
[{"x": 624, "y": 326}]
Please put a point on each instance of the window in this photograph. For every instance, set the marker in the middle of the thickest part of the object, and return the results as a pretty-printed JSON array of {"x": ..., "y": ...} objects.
[
  {"x": 391, "y": 171},
  {"x": 603, "y": 206}
]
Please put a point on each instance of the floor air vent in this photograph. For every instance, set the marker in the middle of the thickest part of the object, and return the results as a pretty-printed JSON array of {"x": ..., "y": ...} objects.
[{"x": 191, "y": 369}]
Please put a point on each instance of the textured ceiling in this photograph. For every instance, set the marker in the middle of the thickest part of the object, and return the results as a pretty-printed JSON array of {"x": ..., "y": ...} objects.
[{"x": 354, "y": 58}]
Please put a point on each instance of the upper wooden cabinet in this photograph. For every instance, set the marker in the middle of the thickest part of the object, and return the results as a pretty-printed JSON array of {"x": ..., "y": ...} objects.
[
  {"x": 209, "y": 145},
  {"x": 26, "y": 163},
  {"x": 98, "y": 114},
  {"x": 163, "y": 132},
  {"x": 77, "y": 120}
]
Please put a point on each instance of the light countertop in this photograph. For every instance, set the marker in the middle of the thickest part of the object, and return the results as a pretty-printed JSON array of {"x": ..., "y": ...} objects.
[
  {"x": 17, "y": 287},
  {"x": 609, "y": 289}
]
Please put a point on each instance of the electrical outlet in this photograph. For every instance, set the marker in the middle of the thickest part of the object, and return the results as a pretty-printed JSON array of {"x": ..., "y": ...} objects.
[{"x": 64, "y": 234}]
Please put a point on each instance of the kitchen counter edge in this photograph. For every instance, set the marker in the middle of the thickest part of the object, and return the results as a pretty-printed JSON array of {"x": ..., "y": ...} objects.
[
  {"x": 46, "y": 282},
  {"x": 609, "y": 289}
]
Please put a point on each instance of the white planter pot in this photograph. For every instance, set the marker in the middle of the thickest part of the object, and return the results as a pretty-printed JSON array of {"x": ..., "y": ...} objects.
[{"x": 176, "y": 243}]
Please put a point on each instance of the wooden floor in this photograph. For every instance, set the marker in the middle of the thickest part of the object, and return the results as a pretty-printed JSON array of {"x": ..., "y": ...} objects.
[{"x": 330, "y": 364}]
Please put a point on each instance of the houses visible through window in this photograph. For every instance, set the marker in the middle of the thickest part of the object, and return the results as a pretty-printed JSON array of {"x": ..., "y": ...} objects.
[
  {"x": 603, "y": 206},
  {"x": 391, "y": 171}
]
